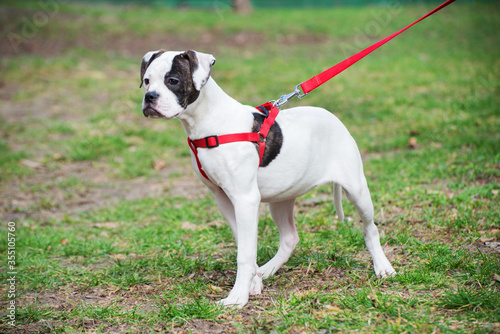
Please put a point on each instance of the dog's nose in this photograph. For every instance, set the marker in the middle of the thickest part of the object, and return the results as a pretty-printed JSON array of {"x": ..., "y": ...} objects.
[{"x": 151, "y": 96}]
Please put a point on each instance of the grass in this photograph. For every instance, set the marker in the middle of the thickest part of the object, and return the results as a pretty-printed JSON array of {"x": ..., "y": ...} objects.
[{"x": 114, "y": 234}]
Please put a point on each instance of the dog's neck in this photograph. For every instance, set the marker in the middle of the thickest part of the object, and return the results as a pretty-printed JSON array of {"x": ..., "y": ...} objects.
[{"x": 215, "y": 113}]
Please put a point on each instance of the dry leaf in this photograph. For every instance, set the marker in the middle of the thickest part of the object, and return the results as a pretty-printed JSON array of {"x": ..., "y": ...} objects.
[
  {"x": 120, "y": 257},
  {"x": 107, "y": 224},
  {"x": 159, "y": 165},
  {"x": 31, "y": 164},
  {"x": 217, "y": 223},
  {"x": 214, "y": 288},
  {"x": 412, "y": 143},
  {"x": 188, "y": 226},
  {"x": 331, "y": 308}
]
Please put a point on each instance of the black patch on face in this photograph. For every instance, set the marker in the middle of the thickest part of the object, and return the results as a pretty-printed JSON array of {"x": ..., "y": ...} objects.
[
  {"x": 274, "y": 139},
  {"x": 180, "y": 78},
  {"x": 145, "y": 64}
]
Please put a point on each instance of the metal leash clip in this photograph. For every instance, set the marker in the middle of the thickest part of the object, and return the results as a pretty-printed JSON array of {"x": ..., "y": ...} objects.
[{"x": 287, "y": 97}]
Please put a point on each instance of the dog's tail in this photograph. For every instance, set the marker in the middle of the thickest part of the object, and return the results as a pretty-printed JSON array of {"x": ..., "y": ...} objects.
[{"x": 337, "y": 200}]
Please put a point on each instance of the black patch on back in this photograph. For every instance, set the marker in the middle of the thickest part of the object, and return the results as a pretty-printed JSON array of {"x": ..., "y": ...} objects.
[
  {"x": 274, "y": 139},
  {"x": 183, "y": 66}
]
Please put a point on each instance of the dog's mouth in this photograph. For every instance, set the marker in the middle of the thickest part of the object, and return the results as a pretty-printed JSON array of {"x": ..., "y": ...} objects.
[{"x": 151, "y": 112}]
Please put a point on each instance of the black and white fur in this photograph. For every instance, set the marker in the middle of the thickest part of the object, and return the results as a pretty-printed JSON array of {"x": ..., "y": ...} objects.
[{"x": 311, "y": 147}]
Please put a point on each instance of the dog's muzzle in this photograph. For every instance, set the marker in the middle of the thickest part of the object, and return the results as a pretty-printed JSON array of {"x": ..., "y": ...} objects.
[
  {"x": 150, "y": 112},
  {"x": 149, "y": 100}
]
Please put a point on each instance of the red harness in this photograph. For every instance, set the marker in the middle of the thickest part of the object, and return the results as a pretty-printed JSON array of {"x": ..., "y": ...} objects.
[{"x": 269, "y": 109}]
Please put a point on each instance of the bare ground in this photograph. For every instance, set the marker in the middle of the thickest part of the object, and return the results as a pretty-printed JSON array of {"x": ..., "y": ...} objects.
[{"x": 299, "y": 282}]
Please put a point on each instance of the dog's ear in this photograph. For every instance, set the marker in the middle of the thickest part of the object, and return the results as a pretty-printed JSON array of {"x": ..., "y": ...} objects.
[
  {"x": 147, "y": 60},
  {"x": 201, "y": 66}
]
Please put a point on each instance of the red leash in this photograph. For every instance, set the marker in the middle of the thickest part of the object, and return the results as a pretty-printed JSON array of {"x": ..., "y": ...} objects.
[
  {"x": 318, "y": 80},
  {"x": 271, "y": 110}
]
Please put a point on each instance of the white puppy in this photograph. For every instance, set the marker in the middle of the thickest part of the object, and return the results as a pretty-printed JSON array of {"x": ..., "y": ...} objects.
[{"x": 306, "y": 147}]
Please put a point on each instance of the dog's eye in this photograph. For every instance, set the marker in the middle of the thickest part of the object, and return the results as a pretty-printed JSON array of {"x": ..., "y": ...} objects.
[
  {"x": 173, "y": 81},
  {"x": 146, "y": 82}
]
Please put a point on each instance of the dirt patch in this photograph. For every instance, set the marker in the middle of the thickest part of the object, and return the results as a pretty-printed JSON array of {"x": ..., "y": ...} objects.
[
  {"x": 39, "y": 197},
  {"x": 143, "y": 297}
]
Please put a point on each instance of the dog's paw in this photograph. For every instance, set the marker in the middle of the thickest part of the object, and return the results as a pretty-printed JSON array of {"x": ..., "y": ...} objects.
[
  {"x": 231, "y": 302},
  {"x": 387, "y": 274},
  {"x": 382, "y": 267},
  {"x": 386, "y": 271},
  {"x": 256, "y": 286}
]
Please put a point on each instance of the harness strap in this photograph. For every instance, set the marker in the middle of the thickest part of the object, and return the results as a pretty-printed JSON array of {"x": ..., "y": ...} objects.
[
  {"x": 195, "y": 152},
  {"x": 257, "y": 137}
]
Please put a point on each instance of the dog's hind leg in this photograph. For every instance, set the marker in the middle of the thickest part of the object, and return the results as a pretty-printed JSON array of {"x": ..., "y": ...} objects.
[
  {"x": 337, "y": 201},
  {"x": 359, "y": 196},
  {"x": 282, "y": 213}
]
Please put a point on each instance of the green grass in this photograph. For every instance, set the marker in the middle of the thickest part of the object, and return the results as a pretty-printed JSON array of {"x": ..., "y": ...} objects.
[{"x": 113, "y": 234}]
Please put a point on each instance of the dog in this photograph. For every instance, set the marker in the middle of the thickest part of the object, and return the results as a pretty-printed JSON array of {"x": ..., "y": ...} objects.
[{"x": 306, "y": 147}]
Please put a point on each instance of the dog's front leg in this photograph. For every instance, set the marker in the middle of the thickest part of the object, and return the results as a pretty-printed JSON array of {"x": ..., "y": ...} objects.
[
  {"x": 226, "y": 208},
  {"x": 246, "y": 208}
]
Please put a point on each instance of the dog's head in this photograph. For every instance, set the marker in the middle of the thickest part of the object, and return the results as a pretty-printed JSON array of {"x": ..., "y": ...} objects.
[{"x": 173, "y": 80}]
